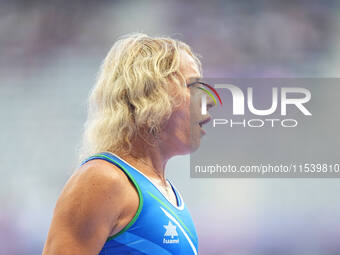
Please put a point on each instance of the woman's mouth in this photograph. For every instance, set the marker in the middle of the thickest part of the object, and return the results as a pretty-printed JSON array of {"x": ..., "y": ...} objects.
[{"x": 201, "y": 123}]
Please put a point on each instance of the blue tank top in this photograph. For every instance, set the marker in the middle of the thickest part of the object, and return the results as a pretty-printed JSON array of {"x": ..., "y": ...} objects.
[{"x": 158, "y": 227}]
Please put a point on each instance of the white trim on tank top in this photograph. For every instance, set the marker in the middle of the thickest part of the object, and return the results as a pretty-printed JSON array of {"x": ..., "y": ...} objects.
[{"x": 181, "y": 207}]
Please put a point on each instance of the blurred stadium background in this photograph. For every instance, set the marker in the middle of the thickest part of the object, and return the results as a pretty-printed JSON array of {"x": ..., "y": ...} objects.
[{"x": 50, "y": 52}]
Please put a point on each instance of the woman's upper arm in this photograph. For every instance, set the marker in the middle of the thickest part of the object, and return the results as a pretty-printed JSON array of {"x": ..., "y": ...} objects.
[{"x": 87, "y": 210}]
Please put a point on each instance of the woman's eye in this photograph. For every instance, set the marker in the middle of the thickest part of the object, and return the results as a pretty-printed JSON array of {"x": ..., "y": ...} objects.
[
  {"x": 198, "y": 87},
  {"x": 195, "y": 86}
]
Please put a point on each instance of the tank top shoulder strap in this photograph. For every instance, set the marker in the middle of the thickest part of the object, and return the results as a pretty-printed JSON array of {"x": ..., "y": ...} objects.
[
  {"x": 133, "y": 176},
  {"x": 141, "y": 181},
  {"x": 131, "y": 172},
  {"x": 109, "y": 158}
]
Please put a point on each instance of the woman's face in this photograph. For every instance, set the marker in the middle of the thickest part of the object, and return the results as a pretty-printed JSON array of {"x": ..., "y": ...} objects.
[{"x": 184, "y": 128}]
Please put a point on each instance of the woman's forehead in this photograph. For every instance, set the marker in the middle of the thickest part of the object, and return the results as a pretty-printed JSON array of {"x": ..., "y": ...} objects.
[{"x": 189, "y": 67}]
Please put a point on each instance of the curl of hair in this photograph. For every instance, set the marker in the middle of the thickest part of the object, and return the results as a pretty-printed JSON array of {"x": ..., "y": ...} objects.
[{"x": 131, "y": 93}]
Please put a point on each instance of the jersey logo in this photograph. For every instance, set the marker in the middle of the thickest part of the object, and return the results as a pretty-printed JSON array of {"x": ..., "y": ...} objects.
[{"x": 170, "y": 232}]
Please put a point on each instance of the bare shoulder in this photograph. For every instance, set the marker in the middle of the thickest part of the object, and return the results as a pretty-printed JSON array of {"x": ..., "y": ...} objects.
[
  {"x": 96, "y": 184},
  {"x": 99, "y": 174},
  {"x": 94, "y": 204}
]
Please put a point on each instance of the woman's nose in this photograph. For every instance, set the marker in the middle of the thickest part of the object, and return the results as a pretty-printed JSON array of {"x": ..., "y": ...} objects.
[{"x": 210, "y": 103}]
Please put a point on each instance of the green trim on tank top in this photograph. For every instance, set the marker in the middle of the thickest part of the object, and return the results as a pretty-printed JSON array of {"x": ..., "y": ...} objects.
[{"x": 140, "y": 205}]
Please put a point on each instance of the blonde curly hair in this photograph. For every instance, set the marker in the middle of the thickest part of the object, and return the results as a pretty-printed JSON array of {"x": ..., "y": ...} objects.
[{"x": 131, "y": 93}]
